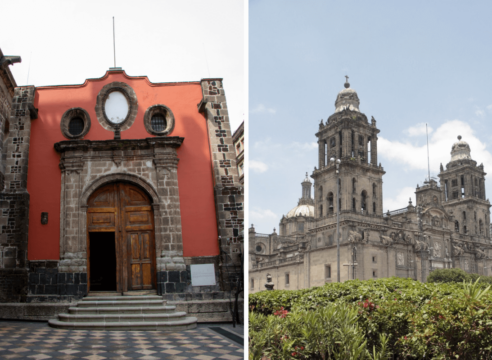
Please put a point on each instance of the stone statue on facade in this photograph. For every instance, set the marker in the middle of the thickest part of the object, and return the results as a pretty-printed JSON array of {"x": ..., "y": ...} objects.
[
  {"x": 386, "y": 240},
  {"x": 458, "y": 249},
  {"x": 355, "y": 237},
  {"x": 269, "y": 283}
]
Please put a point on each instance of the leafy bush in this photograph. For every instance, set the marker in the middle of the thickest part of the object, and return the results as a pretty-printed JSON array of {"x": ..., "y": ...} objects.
[
  {"x": 392, "y": 314},
  {"x": 452, "y": 329},
  {"x": 455, "y": 276},
  {"x": 331, "y": 332}
]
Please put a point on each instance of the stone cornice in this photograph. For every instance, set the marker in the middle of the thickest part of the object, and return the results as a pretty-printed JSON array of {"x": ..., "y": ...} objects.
[{"x": 104, "y": 145}]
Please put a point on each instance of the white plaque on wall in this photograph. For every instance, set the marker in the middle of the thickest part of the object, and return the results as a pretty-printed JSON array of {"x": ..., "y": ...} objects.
[{"x": 202, "y": 274}]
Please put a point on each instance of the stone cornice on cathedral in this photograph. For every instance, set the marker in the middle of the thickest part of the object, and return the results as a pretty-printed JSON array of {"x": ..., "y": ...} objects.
[
  {"x": 467, "y": 200},
  {"x": 348, "y": 163},
  {"x": 459, "y": 166}
]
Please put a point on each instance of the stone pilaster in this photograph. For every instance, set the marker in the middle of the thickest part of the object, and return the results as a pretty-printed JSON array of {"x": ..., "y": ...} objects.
[{"x": 229, "y": 194}]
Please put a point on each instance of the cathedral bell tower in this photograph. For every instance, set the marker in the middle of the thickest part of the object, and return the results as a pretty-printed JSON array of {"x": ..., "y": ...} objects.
[
  {"x": 347, "y": 135},
  {"x": 463, "y": 183}
]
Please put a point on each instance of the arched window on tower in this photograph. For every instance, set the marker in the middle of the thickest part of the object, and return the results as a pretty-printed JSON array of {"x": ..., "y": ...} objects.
[
  {"x": 340, "y": 204},
  {"x": 320, "y": 193},
  {"x": 374, "y": 207},
  {"x": 353, "y": 205},
  {"x": 374, "y": 190},
  {"x": 457, "y": 226},
  {"x": 330, "y": 203},
  {"x": 321, "y": 211},
  {"x": 354, "y": 190},
  {"x": 369, "y": 149},
  {"x": 464, "y": 215},
  {"x": 326, "y": 154},
  {"x": 363, "y": 197}
]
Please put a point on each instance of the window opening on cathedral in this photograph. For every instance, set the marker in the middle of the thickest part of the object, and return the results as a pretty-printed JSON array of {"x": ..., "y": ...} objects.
[
  {"x": 320, "y": 193},
  {"x": 320, "y": 210},
  {"x": 465, "y": 231},
  {"x": 361, "y": 140},
  {"x": 330, "y": 203},
  {"x": 287, "y": 278},
  {"x": 328, "y": 272},
  {"x": 457, "y": 226},
  {"x": 464, "y": 215},
  {"x": 455, "y": 194},
  {"x": 354, "y": 190},
  {"x": 300, "y": 227},
  {"x": 258, "y": 248},
  {"x": 353, "y": 205},
  {"x": 333, "y": 142},
  {"x": 340, "y": 144},
  {"x": 374, "y": 207},
  {"x": 480, "y": 227},
  {"x": 454, "y": 182},
  {"x": 76, "y": 126},
  {"x": 326, "y": 154},
  {"x": 363, "y": 197},
  {"x": 374, "y": 274},
  {"x": 369, "y": 148},
  {"x": 352, "y": 142},
  {"x": 475, "y": 215},
  {"x": 339, "y": 204},
  {"x": 374, "y": 187},
  {"x": 446, "y": 189},
  {"x": 374, "y": 259}
]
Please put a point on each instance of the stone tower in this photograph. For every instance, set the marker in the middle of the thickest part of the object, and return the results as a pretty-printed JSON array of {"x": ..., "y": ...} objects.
[
  {"x": 463, "y": 184},
  {"x": 347, "y": 135}
]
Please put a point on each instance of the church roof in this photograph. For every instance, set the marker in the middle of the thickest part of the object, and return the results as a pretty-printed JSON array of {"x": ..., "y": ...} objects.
[
  {"x": 460, "y": 150},
  {"x": 347, "y": 98},
  {"x": 301, "y": 210}
]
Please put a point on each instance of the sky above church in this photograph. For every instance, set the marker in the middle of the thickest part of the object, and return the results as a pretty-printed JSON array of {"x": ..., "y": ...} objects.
[
  {"x": 66, "y": 42},
  {"x": 411, "y": 63}
]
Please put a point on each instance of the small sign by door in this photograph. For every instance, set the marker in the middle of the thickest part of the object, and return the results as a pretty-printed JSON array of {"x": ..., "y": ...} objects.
[{"x": 202, "y": 274}]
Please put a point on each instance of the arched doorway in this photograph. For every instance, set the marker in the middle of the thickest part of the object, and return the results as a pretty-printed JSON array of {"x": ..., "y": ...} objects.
[{"x": 120, "y": 239}]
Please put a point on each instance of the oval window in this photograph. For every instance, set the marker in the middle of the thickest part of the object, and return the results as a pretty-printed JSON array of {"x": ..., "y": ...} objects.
[
  {"x": 76, "y": 126},
  {"x": 258, "y": 248},
  {"x": 116, "y": 107}
]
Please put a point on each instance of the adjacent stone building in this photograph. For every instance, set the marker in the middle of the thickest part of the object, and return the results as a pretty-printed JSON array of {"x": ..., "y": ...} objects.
[
  {"x": 238, "y": 138},
  {"x": 448, "y": 227},
  {"x": 118, "y": 184}
]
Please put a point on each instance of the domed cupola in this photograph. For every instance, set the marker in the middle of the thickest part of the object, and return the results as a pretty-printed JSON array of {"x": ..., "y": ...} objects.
[
  {"x": 347, "y": 98},
  {"x": 460, "y": 150}
]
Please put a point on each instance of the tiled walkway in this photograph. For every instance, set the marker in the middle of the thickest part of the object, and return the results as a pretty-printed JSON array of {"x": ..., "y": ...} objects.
[{"x": 36, "y": 340}]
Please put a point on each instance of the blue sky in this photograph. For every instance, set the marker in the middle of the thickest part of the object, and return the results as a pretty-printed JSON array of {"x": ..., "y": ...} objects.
[{"x": 411, "y": 63}]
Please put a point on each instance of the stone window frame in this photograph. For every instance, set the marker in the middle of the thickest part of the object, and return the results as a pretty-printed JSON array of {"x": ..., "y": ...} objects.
[
  {"x": 328, "y": 272},
  {"x": 131, "y": 97},
  {"x": 374, "y": 259},
  {"x": 374, "y": 273},
  {"x": 163, "y": 110},
  {"x": 69, "y": 115}
]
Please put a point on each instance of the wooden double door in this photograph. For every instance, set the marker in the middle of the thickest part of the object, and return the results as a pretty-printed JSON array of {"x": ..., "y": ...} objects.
[{"x": 122, "y": 213}]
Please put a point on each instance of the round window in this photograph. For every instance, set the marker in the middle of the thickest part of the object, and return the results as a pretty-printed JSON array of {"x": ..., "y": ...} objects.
[
  {"x": 258, "y": 248},
  {"x": 76, "y": 126},
  {"x": 116, "y": 107},
  {"x": 158, "y": 123}
]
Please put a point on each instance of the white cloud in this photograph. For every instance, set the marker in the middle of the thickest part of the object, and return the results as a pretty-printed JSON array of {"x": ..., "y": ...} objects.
[
  {"x": 258, "y": 166},
  {"x": 303, "y": 146},
  {"x": 489, "y": 107},
  {"x": 440, "y": 144},
  {"x": 263, "y": 109},
  {"x": 400, "y": 200},
  {"x": 268, "y": 145},
  {"x": 262, "y": 214},
  {"x": 418, "y": 130}
]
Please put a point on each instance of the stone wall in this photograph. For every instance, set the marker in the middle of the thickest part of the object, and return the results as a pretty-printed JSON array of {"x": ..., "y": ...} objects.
[
  {"x": 229, "y": 194},
  {"x": 14, "y": 198}
]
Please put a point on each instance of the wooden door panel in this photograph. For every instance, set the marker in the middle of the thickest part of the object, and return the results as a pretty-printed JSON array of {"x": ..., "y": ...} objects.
[
  {"x": 101, "y": 221},
  {"x": 147, "y": 276},
  {"x": 136, "y": 277},
  {"x": 145, "y": 247}
]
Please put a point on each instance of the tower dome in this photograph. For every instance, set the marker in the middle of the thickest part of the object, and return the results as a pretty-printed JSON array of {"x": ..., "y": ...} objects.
[
  {"x": 347, "y": 98},
  {"x": 460, "y": 150},
  {"x": 301, "y": 210}
]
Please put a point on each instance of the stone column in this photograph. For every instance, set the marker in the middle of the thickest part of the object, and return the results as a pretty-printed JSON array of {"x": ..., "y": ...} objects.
[
  {"x": 228, "y": 192},
  {"x": 321, "y": 153},
  {"x": 374, "y": 150}
]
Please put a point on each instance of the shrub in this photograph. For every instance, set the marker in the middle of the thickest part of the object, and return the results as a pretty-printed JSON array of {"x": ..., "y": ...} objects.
[{"x": 455, "y": 276}]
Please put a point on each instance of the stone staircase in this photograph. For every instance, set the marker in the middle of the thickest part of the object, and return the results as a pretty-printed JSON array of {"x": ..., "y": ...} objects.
[{"x": 127, "y": 312}]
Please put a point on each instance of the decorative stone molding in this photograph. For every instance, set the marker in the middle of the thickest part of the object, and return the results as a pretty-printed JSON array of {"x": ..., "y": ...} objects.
[
  {"x": 70, "y": 114},
  {"x": 131, "y": 97},
  {"x": 162, "y": 110}
]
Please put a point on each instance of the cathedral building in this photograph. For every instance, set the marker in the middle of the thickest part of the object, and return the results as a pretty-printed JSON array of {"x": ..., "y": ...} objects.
[
  {"x": 448, "y": 227},
  {"x": 118, "y": 185}
]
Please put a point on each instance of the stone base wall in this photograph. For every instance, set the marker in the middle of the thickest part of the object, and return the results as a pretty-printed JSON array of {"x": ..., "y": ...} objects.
[{"x": 13, "y": 285}]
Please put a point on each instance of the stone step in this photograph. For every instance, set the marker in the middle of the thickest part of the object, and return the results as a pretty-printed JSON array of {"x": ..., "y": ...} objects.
[
  {"x": 122, "y": 298},
  {"x": 122, "y": 317},
  {"x": 207, "y": 311},
  {"x": 125, "y": 303},
  {"x": 176, "y": 325},
  {"x": 128, "y": 293},
  {"x": 122, "y": 310}
]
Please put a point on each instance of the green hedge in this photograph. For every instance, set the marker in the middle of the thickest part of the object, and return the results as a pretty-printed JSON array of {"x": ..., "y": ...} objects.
[
  {"x": 456, "y": 275},
  {"x": 418, "y": 319}
]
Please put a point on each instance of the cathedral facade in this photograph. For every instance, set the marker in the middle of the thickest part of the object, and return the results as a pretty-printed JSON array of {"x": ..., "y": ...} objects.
[
  {"x": 116, "y": 185},
  {"x": 448, "y": 227}
]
